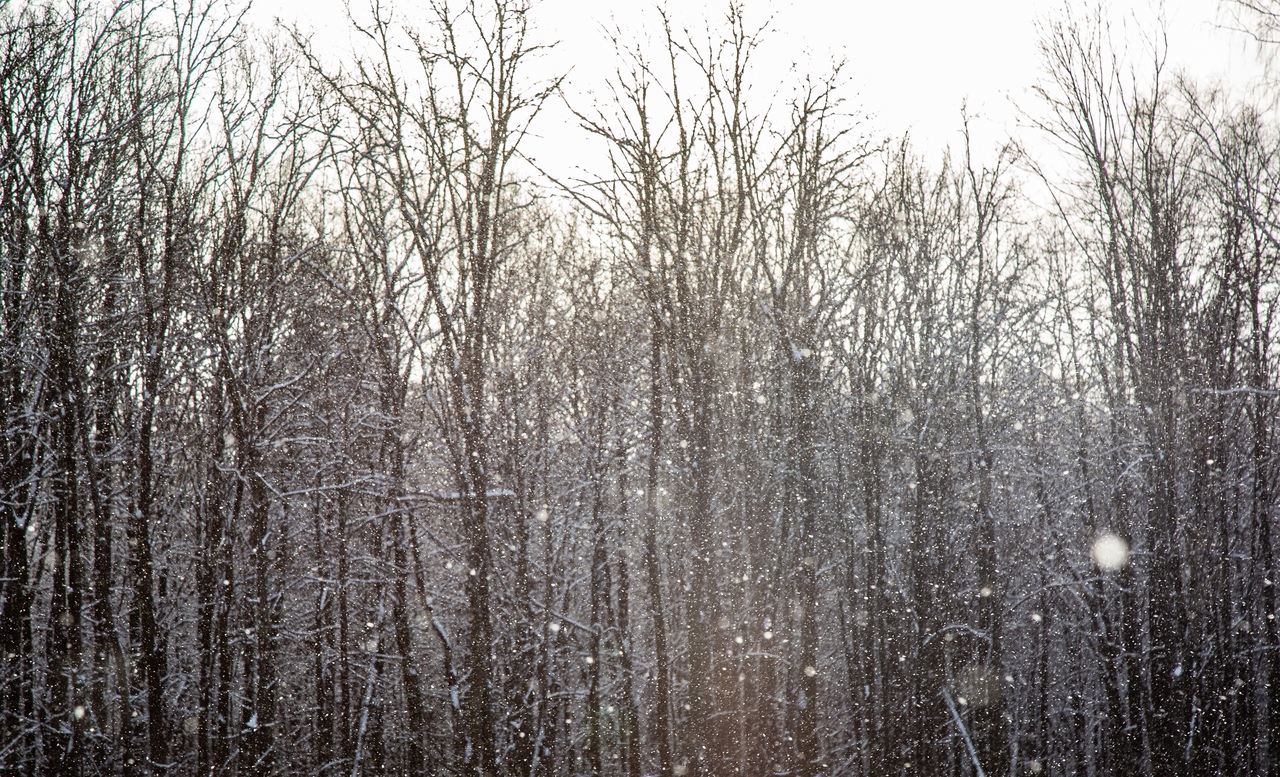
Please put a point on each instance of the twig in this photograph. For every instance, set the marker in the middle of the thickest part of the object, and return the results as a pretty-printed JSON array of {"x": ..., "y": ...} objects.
[{"x": 964, "y": 733}]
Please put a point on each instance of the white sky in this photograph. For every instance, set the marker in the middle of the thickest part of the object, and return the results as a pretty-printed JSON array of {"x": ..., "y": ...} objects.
[{"x": 909, "y": 65}]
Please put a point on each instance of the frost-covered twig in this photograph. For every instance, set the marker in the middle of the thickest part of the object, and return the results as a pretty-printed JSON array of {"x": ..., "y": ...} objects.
[{"x": 964, "y": 733}]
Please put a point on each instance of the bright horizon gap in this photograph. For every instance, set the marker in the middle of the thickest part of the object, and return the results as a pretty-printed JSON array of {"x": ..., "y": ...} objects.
[{"x": 906, "y": 70}]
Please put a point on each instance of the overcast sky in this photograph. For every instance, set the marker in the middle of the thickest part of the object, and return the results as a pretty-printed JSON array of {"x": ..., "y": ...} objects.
[{"x": 909, "y": 66}]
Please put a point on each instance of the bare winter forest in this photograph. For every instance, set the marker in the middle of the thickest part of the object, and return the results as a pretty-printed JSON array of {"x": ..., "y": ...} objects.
[{"x": 338, "y": 439}]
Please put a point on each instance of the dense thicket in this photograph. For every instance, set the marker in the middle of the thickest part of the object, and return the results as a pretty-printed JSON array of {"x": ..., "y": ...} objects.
[{"x": 331, "y": 445}]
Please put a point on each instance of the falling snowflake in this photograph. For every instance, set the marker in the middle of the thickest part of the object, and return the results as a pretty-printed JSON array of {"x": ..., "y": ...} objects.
[{"x": 1110, "y": 552}]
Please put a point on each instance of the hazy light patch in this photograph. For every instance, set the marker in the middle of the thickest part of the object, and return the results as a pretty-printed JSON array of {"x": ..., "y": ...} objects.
[{"x": 1110, "y": 552}]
